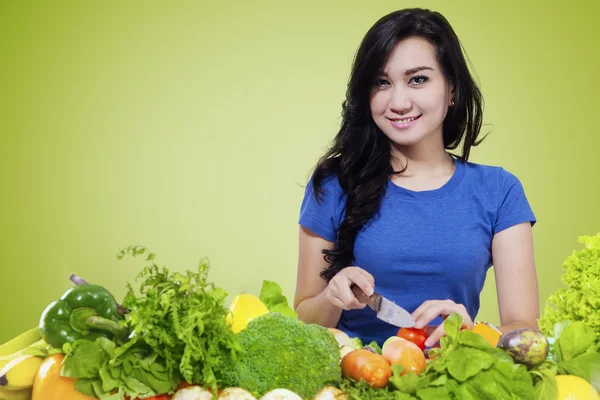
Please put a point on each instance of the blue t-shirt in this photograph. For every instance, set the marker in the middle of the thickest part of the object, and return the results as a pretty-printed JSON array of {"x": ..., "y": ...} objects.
[{"x": 425, "y": 245}]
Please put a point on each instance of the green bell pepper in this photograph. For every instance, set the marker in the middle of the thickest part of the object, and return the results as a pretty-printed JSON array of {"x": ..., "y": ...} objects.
[{"x": 84, "y": 311}]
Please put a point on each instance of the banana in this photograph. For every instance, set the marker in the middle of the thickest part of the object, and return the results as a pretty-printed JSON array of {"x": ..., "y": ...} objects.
[
  {"x": 20, "y": 372},
  {"x": 24, "y": 394},
  {"x": 20, "y": 342},
  {"x": 39, "y": 345}
]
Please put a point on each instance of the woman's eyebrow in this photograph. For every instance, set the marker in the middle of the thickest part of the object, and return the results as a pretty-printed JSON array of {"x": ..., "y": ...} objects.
[
  {"x": 408, "y": 72},
  {"x": 417, "y": 69}
]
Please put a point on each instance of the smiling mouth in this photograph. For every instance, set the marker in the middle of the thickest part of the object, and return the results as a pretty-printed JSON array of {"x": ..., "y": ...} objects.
[{"x": 404, "y": 121}]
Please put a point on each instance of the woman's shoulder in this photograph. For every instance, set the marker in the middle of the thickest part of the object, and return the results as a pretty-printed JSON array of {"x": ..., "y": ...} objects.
[
  {"x": 492, "y": 177},
  {"x": 489, "y": 172},
  {"x": 328, "y": 184},
  {"x": 330, "y": 189}
]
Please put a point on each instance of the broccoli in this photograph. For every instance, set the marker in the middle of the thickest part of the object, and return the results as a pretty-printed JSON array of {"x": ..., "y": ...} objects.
[
  {"x": 356, "y": 343},
  {"x": 279, "y": 351}
]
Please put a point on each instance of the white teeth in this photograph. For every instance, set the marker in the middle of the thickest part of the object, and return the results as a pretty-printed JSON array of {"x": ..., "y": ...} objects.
[{"x": 405, "y": 120}]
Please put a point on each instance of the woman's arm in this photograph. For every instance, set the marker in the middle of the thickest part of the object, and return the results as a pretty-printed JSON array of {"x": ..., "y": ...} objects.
[
  {"x": 310, "y": 300},
  {"x": 516, "y": 278}
]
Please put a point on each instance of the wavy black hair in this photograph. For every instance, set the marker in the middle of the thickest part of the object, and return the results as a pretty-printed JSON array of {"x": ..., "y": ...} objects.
[{"x": 360, "y": 154}]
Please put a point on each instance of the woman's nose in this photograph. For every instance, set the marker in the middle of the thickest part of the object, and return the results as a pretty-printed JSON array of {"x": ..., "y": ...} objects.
[{"x": 400, "y": 101}]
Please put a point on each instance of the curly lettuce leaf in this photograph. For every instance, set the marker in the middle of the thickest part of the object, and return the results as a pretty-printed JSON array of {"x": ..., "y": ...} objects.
[{"x": 580, "y": 300}]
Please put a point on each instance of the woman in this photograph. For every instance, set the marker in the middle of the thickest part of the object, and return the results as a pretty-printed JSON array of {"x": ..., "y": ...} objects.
[{"x": 388, "y": 208}]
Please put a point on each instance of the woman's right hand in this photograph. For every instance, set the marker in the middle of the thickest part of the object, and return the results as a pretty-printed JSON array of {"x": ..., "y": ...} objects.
[{"x": 339, "y": 290}]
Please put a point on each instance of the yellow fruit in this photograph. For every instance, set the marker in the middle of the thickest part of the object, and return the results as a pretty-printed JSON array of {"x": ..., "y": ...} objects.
[
  {"x": 20, "y": 342},
  {"x": 571, "y": 387},
  {"x": 488, "y": 331},
  {"x": 20, "y": 372},
  {"x": 244, "y": 308},
  {"x": 24, "y": 394}
]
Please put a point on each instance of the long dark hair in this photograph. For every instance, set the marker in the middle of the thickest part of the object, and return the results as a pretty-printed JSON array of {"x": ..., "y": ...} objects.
[{"x": 360, "y": 155}]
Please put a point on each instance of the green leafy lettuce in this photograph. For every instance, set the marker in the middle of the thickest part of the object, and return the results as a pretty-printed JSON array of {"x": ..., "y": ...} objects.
[
  {"x": 109, "y": 372},
  {"x": 577, "y": 351},
  {"x": 467, "y": 367},
  {"x": 272, "y": 296},
  {"x": 182, "y": 318},
  {"x": 580, "y": 300}
]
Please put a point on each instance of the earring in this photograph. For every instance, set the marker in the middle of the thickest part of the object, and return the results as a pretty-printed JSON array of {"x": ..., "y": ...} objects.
[{"x": 451, "y": 103}]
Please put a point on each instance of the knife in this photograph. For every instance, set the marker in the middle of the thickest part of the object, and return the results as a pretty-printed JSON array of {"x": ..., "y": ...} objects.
[{"x": 386, "y": 310}]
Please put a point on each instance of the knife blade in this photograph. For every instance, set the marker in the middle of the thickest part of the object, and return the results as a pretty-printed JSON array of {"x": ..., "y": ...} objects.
[{"x": 386, "y": 310}]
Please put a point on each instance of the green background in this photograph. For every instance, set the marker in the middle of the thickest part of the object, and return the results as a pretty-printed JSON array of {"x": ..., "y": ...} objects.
[{"x": 190, "y": 127}]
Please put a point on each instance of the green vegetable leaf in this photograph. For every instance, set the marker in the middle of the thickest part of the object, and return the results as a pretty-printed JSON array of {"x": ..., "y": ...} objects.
[
  {"x": 560, "y": 326},
  {"x": 373, "y": 345},
  {"x": 406, "y": 383},
  {"x": 580, "y": 300},
  {"x": 438, "y": 392},
  {"x": 85, "y": 386},
  {"x": 271, "y": 295},
  {"x": 471, "y": 339},
  {"x": 575, "y": 339},
  {"x": 545, "y": 384},
  {"x": 84, "y": 360},
  {"x": 452, "y": 327},
  {"x": 182, "y": 317},
  {"x": 586, "y": 366},
  {"x": 109, "y": 383},
  {"x": 466, "y": 362}
]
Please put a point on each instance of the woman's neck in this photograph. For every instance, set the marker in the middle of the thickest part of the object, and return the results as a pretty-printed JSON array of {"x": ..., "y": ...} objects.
[{"x": 423, "y": 163}]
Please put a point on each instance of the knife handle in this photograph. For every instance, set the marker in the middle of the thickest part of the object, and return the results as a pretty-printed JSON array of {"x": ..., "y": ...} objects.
[{"x": 373, "y": 301}]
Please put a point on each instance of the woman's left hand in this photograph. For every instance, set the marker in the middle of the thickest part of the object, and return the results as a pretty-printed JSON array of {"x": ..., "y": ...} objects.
[{"x": 431, "y": 309}]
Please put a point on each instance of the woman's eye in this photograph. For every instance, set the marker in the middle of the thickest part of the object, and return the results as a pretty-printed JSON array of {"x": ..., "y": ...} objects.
[
  {"x": 419, "y": 80},
  {"x": 382, "y": 82}
]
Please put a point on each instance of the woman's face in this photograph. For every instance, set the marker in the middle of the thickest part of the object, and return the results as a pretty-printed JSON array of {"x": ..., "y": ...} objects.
[{"x": 411, "y": 96}]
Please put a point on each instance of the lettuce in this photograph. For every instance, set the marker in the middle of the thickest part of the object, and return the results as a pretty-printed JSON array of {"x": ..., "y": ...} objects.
[
  {"x": 271, "y": 295},
  {"x": 580, "y": 300}
]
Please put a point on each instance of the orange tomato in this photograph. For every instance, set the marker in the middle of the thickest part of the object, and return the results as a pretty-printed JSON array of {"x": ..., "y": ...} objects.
[
  {"x": 49, "y": 385},
  {"x": 363, "y": 364},
  {"x": 405, "y": 353}
]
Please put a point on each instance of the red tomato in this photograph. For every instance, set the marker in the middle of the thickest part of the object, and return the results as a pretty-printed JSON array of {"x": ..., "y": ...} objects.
[{"x": 417, "y": 336}]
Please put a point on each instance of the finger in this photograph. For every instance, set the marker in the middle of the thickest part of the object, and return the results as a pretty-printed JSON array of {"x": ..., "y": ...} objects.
[
  {"x": 435, "y": 336},
  {"x": 437, "y": 308},
  {"x": 338, "y": 303},
  {"x": 363, "y": 280},
  {"x": 421, "y": 309},
  {"x": 367, "y": 275},
  {"x": 429, "y": 329},
  {"x": 346, "y": 295}
]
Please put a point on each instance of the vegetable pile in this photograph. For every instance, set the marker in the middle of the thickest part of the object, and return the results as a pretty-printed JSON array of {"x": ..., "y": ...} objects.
[{"x": 173, "y": 338}]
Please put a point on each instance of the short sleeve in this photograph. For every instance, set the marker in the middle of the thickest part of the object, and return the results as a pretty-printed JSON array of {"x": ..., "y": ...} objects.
[
  {"x": 322, "y": 216},
  {"x": 514, "y": 207}
]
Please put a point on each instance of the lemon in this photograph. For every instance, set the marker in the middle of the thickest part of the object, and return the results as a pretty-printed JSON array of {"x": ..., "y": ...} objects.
[
  {"x": 571, "y": 387},
  {"x": 244, "y": 308}
]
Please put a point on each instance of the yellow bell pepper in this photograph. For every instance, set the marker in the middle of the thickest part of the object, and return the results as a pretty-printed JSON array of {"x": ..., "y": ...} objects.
[
  {"x": 488, "y": 331},
  {"x": 50, "y": 385}
]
